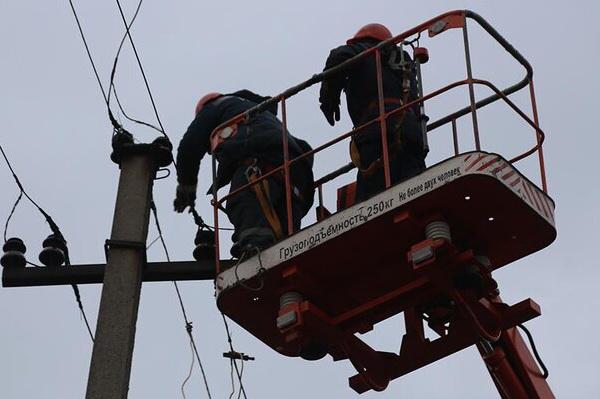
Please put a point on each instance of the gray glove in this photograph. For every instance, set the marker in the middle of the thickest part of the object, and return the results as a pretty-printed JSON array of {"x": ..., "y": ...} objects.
[{"x": 184, "y": 197}]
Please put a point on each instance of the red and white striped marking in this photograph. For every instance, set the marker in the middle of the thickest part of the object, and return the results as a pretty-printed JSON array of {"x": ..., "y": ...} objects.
[{"x": 495, "y": 165}]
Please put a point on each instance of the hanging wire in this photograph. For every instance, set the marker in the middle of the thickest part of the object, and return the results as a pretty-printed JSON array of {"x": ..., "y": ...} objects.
[
  {"x": 232, "y": 380},
  {"x": 261, "y": 270},
  {"x": 201, "y": 224},
  {"x": 535, "y": 351},
  {"x": 152, "y": 243},
  {"x": 237, "y": 371},
  {"x": 55, "y": 230},
  {"x": 87, "y": 49},
  {"x": 241, "y": 375},
  {"x": 79, "y": 302},
  {"x": 12, "y": 211},
  {"x": 32, "y": 264},
  {"x": 112, "y": 88},
  {"x": 189, "y": 372},
  {"x": 18, "y": 182},
  {"x": 188, "y": 324},
  {"x": 137, "y": 57},
  {"x": 116, "y": 125}
]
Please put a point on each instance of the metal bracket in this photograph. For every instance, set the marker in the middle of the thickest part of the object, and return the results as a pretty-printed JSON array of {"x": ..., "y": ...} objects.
[{"x": 124, "y": 244}]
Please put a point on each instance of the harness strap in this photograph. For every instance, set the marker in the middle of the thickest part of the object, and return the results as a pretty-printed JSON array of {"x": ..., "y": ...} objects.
[
  {"x": 394, "y": 147},
  {"x": 397, "y": 143},
  {"x": 261, "y": 190}
]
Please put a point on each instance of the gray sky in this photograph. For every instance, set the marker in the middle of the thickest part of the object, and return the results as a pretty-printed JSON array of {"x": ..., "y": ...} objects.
[{"x": 55, "y": 131}]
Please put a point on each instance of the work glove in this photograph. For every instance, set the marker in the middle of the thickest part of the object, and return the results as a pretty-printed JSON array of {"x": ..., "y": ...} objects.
[
  {"x": 331, "y": 112},
  {"x": 184, "y": 197}
]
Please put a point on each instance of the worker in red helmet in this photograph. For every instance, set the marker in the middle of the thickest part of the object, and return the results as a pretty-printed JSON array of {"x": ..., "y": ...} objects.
[
  {"x": 406, "y": 149},
  {"x": 245, "y": 151}
]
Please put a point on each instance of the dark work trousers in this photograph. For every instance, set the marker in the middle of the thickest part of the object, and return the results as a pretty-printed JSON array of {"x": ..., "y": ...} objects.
[
  {"x": 406, "y": 162},
  {"x": 246, "y": 214}
]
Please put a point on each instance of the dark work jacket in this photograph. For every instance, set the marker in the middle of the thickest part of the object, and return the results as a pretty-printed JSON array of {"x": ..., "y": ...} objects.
[
  {"x": 360, "y": 81},
  {"x": 260, "y": 138}
]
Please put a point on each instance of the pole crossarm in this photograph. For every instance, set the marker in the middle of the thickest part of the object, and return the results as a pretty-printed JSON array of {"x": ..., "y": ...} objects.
[{"x": 94, "y": 273}]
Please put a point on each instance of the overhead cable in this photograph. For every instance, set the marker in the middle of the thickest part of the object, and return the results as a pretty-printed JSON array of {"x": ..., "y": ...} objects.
[
  {"x": 112, "y": 88},
  {"x": 87, "y": 49},
  {"x": 188, "y": 324},
  {"x": 55, "y": 229},
  {"x": 237, "y": 370},
  {"x": 137, "y": 57}
]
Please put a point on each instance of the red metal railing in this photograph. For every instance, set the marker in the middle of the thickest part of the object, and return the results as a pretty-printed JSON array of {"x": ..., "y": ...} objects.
[{"x": 435, "y": 26}]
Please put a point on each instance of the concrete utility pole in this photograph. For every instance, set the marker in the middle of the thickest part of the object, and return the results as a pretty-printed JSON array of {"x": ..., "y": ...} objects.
[
  {"x": 125, "y": 270},
  {"x": 126, "y": 251}
]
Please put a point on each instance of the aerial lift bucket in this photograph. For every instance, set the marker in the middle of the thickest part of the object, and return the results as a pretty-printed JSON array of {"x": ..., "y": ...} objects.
[{"x": 425, "y": 247}]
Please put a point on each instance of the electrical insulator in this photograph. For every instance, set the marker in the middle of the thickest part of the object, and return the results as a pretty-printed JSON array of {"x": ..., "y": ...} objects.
[
  {"x": 14, "y": 253},
  {"x": 421, "y": 54},
  {"x": 205, "y": 245},
  {"x": 53, "y": 252},
  {"x": 163, "y": 151},
  {"x": 310, "y": 349},
  {"x": 438, "y": 230}
]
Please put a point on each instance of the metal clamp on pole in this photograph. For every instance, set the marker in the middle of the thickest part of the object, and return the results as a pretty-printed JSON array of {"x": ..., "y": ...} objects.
[{"x": 108, "y": 244}]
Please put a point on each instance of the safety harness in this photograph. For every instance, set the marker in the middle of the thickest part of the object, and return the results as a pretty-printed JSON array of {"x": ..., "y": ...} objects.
[
  {"x": 261, "y": 190},
  {"x": 396, "y": 62}
]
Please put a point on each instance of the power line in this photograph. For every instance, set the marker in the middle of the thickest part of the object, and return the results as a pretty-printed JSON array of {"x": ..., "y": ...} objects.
[
  {"x": 241, "y": 374},
  {"x": 55, "y": 229},
  {"x": 87, "y": 49},
  {"x": 232, "y": 380},
  {"x": 237, "y": 371},
  {"x": 12, "y": 211},
  {"x": 116, "y": 125},
  {"x": 112, "y": 88},
  {"x": 128, "y": 33},
  {"x": 18, "y": 182},
  {"x": 188, "y": 324},
  {"x": 80, "y": 305},
  {"x": 189, "y": 372}
]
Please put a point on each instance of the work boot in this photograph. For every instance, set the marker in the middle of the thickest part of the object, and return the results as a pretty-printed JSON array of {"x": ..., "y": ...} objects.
[
  {"x": 252, "y": 240},
  {"x": 236, "y": 250}
]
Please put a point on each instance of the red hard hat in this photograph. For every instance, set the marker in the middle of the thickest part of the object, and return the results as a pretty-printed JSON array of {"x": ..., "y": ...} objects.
[
  {"x": 205, "y": 100},
  {"x": 371, "y": 31}
]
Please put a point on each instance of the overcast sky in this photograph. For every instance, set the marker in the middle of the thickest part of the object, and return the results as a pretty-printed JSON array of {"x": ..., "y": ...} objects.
[{"x": 55, "y": 130}]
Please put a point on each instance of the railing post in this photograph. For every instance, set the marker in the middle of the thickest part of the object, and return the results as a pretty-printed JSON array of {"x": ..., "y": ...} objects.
[
  {"x": 422, "y": 106},
  {"x": 537, "y": 136},
  {"x": 471, "y": 88},
  {"x": 215, "y": 203},
  {"x": 321, "y": 209},
  {"x": 455, "y": 137},
  {"x": 286, "y": 169},
  {"x": 382, "y": 122}
]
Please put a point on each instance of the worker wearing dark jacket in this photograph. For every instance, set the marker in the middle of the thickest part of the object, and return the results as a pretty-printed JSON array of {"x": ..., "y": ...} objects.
[
  {"x": 359, "y": 81},
  {"x": 244, "y": 151}
]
